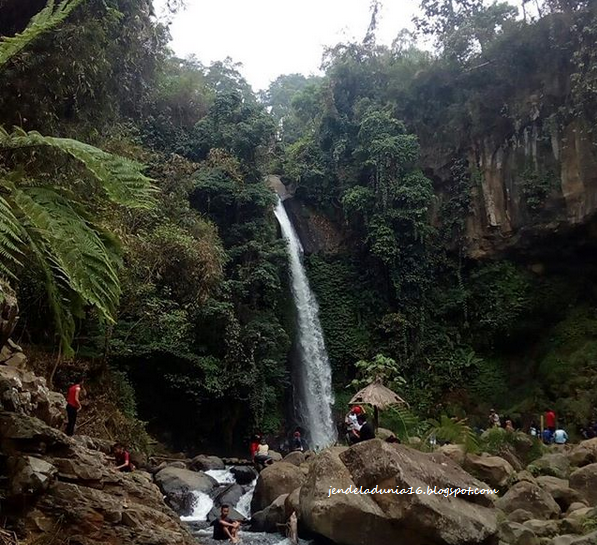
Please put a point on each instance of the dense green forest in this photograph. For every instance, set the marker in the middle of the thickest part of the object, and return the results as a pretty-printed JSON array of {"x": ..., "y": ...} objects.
[{"x": 136, "y": 224}]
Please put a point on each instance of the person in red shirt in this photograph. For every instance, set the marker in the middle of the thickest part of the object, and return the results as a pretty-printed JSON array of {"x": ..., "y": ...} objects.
[
  {"x": 73, "y": 405},
  {"x": 123, "y": 458},
  {"x": 550, "y": 420},
  {"x": 254, "y": 446}
]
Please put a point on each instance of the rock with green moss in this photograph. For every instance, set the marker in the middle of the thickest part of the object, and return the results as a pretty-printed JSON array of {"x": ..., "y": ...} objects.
[{"x": 555, "y": 464}]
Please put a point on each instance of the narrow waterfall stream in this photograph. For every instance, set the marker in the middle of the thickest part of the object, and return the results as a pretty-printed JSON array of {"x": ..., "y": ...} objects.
[{"x": 314, "y": 396}]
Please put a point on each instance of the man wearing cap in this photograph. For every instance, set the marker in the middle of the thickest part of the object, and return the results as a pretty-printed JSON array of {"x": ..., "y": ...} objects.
[{"x": 352, "y": 425}]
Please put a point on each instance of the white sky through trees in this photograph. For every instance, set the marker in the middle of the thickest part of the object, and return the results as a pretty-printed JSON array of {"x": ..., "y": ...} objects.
[{"x": 273, "y": 37}]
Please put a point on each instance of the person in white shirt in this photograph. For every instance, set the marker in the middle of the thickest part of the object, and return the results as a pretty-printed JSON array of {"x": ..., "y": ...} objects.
[
  {"x": 560, "y": 437},
  {"x": 352, "y": 425},
  {"x": 262, "y": 455}
]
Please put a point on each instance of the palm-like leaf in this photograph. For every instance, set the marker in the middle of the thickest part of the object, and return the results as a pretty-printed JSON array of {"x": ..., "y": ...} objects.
[
  {"x": 121, "y": 178},
  {"x": 10, "y": 238},
  {"x": 77, "y": 254},
  {"x": 79, "y": 261},
  {"x": 49, "y": 17}
]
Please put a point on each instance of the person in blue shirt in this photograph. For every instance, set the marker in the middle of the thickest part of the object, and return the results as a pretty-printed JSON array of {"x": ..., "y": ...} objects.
[
  {"x": 560, "y": 436},
  {"x": 547, "y": 436}
]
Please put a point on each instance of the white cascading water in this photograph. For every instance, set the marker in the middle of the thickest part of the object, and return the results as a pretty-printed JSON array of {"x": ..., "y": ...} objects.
[{"x": 314, "y": 388}]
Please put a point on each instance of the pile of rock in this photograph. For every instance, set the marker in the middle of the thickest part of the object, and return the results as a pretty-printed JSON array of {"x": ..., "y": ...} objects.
[{"x": 54, "y": 484}]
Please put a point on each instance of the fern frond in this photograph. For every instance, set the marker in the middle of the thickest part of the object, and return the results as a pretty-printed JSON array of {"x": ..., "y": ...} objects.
[
  {"x": 60, "y": 300},
  {"x": 10, "y": 239},
  {"x": 48, "y": 18},
  {"x": 76, "y": 254},
  {"x": 121, "y": 178}
]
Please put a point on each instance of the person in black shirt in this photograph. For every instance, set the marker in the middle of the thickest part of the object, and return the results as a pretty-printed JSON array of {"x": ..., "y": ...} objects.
[
  {"x": 224, "y": 528},
  {"x": 366, "y": 431}
]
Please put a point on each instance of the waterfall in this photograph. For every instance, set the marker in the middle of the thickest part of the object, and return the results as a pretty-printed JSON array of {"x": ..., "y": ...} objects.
[{"x": 313, "y": 383}]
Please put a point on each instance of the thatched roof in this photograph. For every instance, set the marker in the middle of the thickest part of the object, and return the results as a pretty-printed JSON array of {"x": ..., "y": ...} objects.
[{"x": 378, "y": 395}]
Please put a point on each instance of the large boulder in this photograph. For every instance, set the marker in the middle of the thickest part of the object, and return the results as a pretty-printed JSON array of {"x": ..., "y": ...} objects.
[
  {"x": 244, "y": 474},
  {"x": 205, "y": 463},
  {"x": 584, "y": 480},
  {"x": 228, "y": 494},
  {"x": 560, "y": 491},
  {"x": 530, "y": 497},
  {"x": 542, "y": 528},
  {"x": 456, "y": 453},
  {"x": 179, "y": 484},
  {"x": 24, "y": 393},
  {"x": 422, "y": 514},
  {"x": 295, "y": 458},
  {"x": 555, "y": 464},
  {"x": 588, "y": 539},
  {"x": 29, "y": 476},
  {"x": 584, "y": 453},
  {"x": 272, "y": 517},
  {"x": 293, "y": 502},
  {"x": 493, "y": 470},
  {"x": 515, "y": 533},
  {"x": 275, "y": 480}
]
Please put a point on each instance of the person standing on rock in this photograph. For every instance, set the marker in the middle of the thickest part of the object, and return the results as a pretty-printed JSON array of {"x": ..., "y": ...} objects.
[
  {"x": 73, "y": 405},
  {"x": 550, "y": 420},
  {"x": 225, "y": 528}
]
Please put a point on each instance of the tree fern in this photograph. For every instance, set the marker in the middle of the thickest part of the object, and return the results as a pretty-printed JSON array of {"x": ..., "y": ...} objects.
[
  {"x": 77, "y": 254},
  {"x": 80, "y": 262},
  {"x": 10, "y": 238},
  {"x": 452, "y": 430},
  {"x": 48, "y": 18},
  {"x": 121, "y": 178}
]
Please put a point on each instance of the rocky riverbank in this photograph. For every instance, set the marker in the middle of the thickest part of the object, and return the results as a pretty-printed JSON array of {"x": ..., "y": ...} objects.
[{"x": 54, "y": 485}]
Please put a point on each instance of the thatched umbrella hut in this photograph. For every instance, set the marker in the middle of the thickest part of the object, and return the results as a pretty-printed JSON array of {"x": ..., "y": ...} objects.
[{"x": 377, "y": 395}]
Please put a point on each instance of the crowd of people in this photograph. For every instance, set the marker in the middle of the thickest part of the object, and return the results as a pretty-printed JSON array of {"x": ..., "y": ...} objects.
[{"x": 549, "y": 433}]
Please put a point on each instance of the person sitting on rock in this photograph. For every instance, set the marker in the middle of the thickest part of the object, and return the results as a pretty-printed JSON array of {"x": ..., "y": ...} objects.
[
  {"x": 73, "y": 405},
  {"x": 352, "y": 425},
  {"x": 560, "y": 437},
  {"x": 225, "y": 528},
  {"x": 262, "y": 456},
  {"x": 123, "y": 459},
  {"x": 254, "y": 445},
  {"x": 366, "y": 431}
]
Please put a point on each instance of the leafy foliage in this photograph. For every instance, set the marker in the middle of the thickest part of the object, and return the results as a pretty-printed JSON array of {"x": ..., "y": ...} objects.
[
  {"x": 51, "y": 16},
  {"x": 50, "y": 221}
]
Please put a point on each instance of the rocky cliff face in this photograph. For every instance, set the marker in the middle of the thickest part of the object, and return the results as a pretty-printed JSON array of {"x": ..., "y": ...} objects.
[
  {"x": 54, "y": 485},
  {"x": 541, "y": 180}
]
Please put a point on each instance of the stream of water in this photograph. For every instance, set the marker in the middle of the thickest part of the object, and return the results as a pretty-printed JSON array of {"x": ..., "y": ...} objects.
[
  {"x": 203, "y": 531},
  {"x": 313, "y": 377}
]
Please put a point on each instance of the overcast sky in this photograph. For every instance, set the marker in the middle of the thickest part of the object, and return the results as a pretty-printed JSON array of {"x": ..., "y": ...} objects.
[{"x": 273, "y": 37}]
